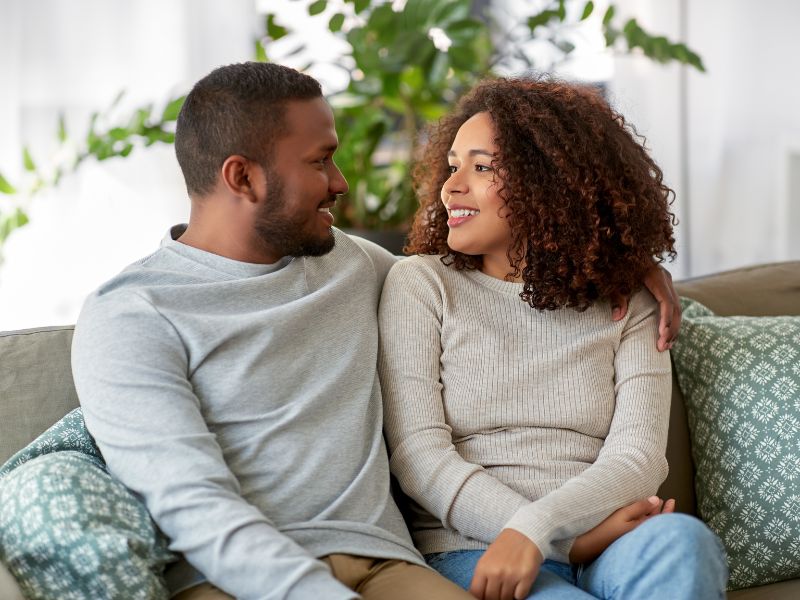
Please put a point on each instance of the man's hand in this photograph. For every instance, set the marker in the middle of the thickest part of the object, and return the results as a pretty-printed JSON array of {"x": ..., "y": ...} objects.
[
  {"x": 507, "y": 569},
  {"x": 592, "y": 543},
  {"x": 659, "y": 282}
]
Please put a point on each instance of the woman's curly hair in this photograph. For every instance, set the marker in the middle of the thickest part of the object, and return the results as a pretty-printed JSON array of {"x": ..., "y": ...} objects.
[{"x": 589, "y": 211}]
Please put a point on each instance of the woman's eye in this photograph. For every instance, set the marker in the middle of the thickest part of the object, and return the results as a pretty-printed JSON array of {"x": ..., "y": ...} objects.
[
  {"x": 452, "y": 169},
  {"x": 482, "y": 168}
]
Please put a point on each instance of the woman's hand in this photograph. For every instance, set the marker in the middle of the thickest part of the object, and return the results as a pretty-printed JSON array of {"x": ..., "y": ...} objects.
[
  {"x": 507, "y": 569},
  {"x": 659, "y": 282},
  {"x": 592, "y": 543}
]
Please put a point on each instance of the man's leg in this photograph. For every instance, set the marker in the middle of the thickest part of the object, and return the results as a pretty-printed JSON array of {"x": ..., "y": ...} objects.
[
  {"x": 380, "y": 579},
  {"x": 554, "y": 582},
  {"x": 204, "y": 591},
  {"x": 400, "y": 580},
  {"x": 671, "y": 556}
]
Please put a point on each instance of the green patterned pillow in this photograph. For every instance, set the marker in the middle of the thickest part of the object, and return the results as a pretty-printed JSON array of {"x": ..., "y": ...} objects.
[
  {"x": 69, "y": 530},
  {"x": 69, "y": 433},
  {"x": 740, "y": 378}
]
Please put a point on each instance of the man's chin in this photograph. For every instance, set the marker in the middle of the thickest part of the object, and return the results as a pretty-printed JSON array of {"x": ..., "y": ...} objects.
[{"x": 319, "y": 247}]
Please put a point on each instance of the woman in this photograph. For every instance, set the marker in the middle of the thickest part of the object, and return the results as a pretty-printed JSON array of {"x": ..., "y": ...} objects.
[{"x": 518, "y": 414}]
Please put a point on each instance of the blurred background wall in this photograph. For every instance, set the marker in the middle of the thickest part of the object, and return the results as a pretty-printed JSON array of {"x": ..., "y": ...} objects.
[{"x": 728, "y": 140}]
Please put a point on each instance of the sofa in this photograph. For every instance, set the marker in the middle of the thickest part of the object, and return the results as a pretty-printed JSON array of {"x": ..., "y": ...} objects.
[{"x": 36, "y": 386}]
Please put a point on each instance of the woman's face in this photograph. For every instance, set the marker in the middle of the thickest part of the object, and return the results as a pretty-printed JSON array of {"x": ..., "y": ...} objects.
[{"x": 476, "y": 214}]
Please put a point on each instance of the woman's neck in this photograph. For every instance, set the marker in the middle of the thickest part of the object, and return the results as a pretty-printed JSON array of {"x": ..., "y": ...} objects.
[{"x": 499, "y": 268}]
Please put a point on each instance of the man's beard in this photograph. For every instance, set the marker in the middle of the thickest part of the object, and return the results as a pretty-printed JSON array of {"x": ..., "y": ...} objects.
[{"x": 282, "y": 232}]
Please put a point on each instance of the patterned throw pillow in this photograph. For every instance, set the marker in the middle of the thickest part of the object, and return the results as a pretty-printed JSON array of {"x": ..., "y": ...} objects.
[
  {"x": 740, "y": 378},
  {"x": 69, "y": 433},
  {"x": 69, "y": 530}
]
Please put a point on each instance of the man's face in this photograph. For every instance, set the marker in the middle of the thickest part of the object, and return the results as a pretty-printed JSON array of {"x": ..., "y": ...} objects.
[{"x": 302, "y": 183}]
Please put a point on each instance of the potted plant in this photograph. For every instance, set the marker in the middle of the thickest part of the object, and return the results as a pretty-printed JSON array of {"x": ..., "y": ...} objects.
[{"x": 408, "y": 62}]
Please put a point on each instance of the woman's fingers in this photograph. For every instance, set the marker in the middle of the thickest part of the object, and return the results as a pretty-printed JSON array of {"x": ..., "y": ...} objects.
[
  {"x": 642, "y": 508},
  {"x": 478, "y": 586},
  {"x": 523, "y": 588}
]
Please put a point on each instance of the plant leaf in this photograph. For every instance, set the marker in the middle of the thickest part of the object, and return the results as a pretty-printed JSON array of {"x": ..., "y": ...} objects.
[
  {"x": 172, "y": 109},
  {"x": 5, "y": 187},
  {"x": 274, "y": 30},
  {"x": 562, "y": 10},
  {"x": 609, "y": 15},
  {"x": 565, "y": 46},
  {"x": 261, "y": 52},
  {"x": 587, "y": 10},
  {"x": 11, "y": 222},
  {"x": 62, "y": 128},
  {"x": 542, "y": 18},
  {"x": 317, "y": 7},
  {"x": 336, "y": 22},
  {"x": 27, "y": 160},
  {"x": 360, "y": 5}
]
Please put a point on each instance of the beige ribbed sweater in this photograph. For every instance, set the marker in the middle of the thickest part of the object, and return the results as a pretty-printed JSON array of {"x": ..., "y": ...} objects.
[{"x": 501, "y": 416}]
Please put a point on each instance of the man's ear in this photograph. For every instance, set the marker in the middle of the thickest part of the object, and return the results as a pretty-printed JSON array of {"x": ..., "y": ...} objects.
[{"x": 242, "y": 177}]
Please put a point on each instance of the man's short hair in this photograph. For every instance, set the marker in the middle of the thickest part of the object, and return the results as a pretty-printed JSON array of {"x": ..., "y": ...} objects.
[{"x": 235, "y": 109}]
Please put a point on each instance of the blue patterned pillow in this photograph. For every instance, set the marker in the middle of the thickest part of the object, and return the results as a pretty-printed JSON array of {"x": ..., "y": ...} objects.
[{"x": 69, "y": 530}]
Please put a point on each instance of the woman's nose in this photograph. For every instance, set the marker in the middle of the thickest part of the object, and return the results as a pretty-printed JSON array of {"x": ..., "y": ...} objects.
[{"x": 455, "y": 184}]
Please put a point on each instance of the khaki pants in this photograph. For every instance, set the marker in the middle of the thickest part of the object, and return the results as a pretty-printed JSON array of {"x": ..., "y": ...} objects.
[{"x": 373, "y": 579}]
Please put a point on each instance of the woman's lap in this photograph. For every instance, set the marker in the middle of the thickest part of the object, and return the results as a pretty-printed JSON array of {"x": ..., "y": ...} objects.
[
  {"x": 673, "y": 556},
  {"x": 556, "y": 581}
]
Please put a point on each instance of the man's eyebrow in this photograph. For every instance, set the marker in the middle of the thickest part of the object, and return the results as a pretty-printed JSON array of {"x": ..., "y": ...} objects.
[
  {"x": 330, "y": 148},
  {"x": 474, "y": 152}
]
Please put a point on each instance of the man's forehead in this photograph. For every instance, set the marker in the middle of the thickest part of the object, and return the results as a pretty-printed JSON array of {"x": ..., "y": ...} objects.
[{"x": 311, "y": 120}]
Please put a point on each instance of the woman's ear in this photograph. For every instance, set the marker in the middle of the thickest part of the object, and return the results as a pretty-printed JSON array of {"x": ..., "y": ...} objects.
[{"x": 242, "y": 177}]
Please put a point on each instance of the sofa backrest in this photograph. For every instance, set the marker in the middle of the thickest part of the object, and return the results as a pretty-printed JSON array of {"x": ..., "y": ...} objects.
[
  {"x": 761, "y": 290},
  {"x": 36, "y": 387}
]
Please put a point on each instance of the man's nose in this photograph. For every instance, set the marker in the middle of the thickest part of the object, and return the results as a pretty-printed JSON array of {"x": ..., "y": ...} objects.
[{"x": 338, "y": 184}]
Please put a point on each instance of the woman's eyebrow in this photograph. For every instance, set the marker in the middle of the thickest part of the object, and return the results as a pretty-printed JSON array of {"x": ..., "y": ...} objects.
[{"x": 474, "y": 152}]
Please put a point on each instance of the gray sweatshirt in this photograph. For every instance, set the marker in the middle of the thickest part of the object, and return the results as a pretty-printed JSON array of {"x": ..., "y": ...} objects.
[
  {"x": 500, "y": 416},
  {"x": 241, "y": 402}
]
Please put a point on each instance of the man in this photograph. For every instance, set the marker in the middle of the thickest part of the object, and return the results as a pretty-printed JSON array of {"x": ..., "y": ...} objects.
[{"x": 230, "y": 377}]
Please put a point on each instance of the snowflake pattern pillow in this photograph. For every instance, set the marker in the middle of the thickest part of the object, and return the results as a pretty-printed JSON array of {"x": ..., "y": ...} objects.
[
  {"x": 740, "y": 378},
  {"x": 69, "y": 433},
  {"x": 69, "y": 530}
]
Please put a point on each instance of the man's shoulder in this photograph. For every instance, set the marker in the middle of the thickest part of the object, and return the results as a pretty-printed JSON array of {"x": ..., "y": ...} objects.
[{"x": 353, "y": 249}]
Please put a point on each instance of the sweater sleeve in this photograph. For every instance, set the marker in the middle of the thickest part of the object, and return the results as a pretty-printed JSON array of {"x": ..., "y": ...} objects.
[
  {"x": 131, "y": 372},
  {"x": 462, "y": 495},
  {"x": 631, "y": 464}
]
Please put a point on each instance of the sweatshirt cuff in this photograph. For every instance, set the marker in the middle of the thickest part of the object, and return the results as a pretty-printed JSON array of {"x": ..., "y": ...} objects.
[{"x": 537, "y": 528}]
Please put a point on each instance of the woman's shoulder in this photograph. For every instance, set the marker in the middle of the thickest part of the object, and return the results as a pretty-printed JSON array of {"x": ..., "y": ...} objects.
[
  {"x": 643, "y": 301},
  {"x": 419, "y": 265}
]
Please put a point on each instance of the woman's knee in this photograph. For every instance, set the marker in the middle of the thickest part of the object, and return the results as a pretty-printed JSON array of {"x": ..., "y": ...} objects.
[{"x": 684, "y": 535}]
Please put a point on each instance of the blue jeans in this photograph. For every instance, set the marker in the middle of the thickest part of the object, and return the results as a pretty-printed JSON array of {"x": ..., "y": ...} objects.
[{"x": 672, "y": 556}]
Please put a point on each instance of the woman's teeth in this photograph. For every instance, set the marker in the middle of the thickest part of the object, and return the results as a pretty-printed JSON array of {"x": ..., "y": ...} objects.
[{"x": 463, "y": 212}]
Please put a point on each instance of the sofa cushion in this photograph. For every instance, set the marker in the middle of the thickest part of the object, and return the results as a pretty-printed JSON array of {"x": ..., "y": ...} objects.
[
  {"x": 36, "y": 387},
  {"x": 740, "y": 378}
]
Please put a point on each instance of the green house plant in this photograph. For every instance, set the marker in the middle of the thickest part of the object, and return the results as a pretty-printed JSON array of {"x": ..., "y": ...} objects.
[{"x": 407, "y": 63}]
